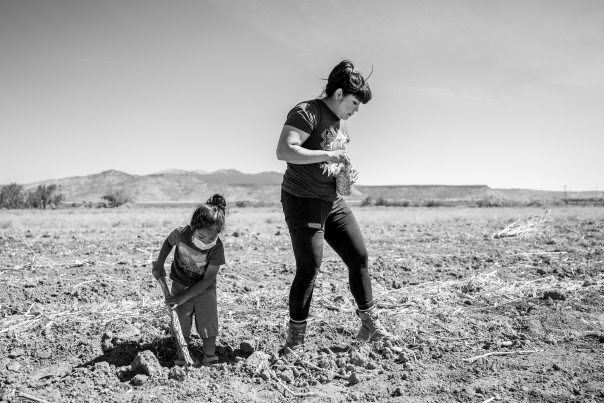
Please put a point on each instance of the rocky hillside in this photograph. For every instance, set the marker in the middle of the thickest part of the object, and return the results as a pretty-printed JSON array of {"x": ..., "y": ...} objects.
[{"x": 177, "y": 185}]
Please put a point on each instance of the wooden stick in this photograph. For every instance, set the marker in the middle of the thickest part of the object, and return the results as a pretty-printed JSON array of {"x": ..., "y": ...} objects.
[
  {"x": 31, "y": 397},
  {"x": 175, "y": 323},
  {"x": 502, "y": 353}
]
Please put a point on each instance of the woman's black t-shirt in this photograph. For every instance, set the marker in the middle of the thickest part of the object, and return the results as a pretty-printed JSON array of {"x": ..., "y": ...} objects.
[{"x": 327, "y": 132}]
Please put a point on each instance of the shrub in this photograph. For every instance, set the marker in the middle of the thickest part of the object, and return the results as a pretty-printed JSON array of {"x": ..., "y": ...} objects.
[
  {"x": 116, "y": 198},
  {"x": 44, "y": 196},
  {"x": 392, "y": 203},
  {"x": 12, "y": 196},
  {"x": 433, "y": 203},
  {"x": 367, "y": 201},
  {"x": 536, "y": 203},
  {"x": 381, "y": 202},
  {"x": 493, "y": 201}
]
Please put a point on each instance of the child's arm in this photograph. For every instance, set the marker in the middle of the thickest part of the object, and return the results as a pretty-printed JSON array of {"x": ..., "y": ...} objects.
[
  {"x": 158, "y": 266},
  {"x": 198, "y": 288}
]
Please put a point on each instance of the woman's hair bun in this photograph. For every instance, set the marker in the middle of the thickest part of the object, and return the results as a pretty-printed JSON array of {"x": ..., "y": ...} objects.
[{"x": 344, "y": 76}]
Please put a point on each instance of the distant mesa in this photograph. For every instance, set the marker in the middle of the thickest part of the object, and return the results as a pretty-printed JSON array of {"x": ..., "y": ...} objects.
[
  {"x": 171, "y": 185},
  {"x": 181, "y": 186},
  {"x": 175, "y": 172}
]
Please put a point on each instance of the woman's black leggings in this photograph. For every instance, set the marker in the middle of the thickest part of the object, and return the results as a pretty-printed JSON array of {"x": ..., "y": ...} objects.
[{"x": 310, "y": 221}]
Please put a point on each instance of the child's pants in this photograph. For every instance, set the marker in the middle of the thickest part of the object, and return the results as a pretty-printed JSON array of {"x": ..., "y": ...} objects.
[{"x": 205, "y": 308}]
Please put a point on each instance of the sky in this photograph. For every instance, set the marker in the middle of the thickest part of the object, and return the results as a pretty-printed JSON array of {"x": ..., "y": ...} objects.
[{"x": 508, "y": 94}]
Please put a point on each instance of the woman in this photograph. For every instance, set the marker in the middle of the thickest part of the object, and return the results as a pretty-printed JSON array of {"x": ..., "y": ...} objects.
[{"x": 313, "y": 142}]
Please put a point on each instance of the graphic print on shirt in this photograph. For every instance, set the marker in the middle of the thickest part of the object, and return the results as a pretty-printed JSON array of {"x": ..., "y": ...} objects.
[
  {"x": 192, "y": 260},
  {"x": 333, "y": 140}
]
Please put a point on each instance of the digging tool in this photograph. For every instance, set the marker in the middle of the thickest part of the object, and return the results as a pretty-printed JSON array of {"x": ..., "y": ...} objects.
[{"x": 175, "y": 325}]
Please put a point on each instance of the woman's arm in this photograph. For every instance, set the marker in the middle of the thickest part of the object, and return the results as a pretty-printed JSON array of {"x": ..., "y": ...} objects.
[
  {"x": 158, "y": 266},
  {"x": 197, "y": 289},
  {"x": 289, "y": 149}
]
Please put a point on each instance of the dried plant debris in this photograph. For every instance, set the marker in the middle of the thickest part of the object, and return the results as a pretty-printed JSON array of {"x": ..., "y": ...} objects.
[{"x": 476, "y": 318}]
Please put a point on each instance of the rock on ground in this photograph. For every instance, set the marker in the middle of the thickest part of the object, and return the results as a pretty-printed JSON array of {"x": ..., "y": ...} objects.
[
  {"x": 146, "y": 362},
  {"x": 246, "y": 347},
  {"x": 257, "y": 358},
  {"x": 139, "y": 380},
  {"x": 177, "y": 373}
]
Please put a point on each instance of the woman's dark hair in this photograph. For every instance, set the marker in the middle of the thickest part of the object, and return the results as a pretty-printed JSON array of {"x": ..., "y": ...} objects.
[
  {"x": 211, "y": 215},
  {"x": 350, "y": 81}
]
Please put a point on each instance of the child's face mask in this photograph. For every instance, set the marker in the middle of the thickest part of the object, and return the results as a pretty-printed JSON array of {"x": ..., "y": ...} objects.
[{"x": 207, "y": 234}]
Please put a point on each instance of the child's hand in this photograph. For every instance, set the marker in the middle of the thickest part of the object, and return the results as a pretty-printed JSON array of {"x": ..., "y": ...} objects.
[
  {"x": 176, "y": 300},
  {"x": 158, "y": 270}
]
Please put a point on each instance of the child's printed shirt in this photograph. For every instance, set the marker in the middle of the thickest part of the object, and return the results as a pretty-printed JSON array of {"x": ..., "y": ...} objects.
[{"x": 190, "y": 263}]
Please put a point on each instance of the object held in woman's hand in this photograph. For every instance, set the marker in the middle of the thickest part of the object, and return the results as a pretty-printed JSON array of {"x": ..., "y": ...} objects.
[{"x": 345, "y": 180}]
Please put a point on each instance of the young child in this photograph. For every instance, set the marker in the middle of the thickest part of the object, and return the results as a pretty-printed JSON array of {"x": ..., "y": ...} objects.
[{"x": 197, "y": 259}]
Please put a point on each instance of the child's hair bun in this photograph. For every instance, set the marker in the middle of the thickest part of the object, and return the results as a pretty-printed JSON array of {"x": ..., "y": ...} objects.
[{"x": 218, "y": 201}]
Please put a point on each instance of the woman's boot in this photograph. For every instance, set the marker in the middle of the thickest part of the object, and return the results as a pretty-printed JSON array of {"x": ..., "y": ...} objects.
[
  {"x": 295, "y": 338},
  {"x": 371, "y": 328}
]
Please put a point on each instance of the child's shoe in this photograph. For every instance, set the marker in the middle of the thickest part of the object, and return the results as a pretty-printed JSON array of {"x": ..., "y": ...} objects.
[
  {"x": 179, "y": 362},
  {"x": 209, "y": 360}
]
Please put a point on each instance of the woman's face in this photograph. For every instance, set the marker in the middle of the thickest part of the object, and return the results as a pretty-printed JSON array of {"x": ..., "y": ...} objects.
[{"x": 347, "y": 106}]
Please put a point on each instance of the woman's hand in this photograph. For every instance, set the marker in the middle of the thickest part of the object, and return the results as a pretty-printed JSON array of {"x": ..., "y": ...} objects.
[
  {"x": 338, "y": 156},
  {"x": 158, "y": 270}
]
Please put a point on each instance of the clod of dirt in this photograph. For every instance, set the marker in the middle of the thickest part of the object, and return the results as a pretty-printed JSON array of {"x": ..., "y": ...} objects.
[
  {"x": 402, "y": 357},
  {"x": 353, "y": 379},
  {"x": 102, "y": 366},
  {"x": 177, "y": 374},
  {"x": 265, "y": 374},
  {"x": 287, "y": 375},
  {"x": 106, "y": 345},
  {"x": 14, "y": 366},
  {"x": 123, "y": 372},
  {"x": 55, "y": 370},
  {"x": 256, "y": 360},
  {"x": 555, "y": 295},
  {"x": 44, "y": 354},
  {"x": 3, "y": 369},
  {"x": 358, "y": 359},
  {"x": 129, "y": 333},
  {"x": 139, "y": 380},
  {"x": 18, "y": 352},
  {"x": 146, "y": 362},
  {"x": 246, "y": 347}
]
